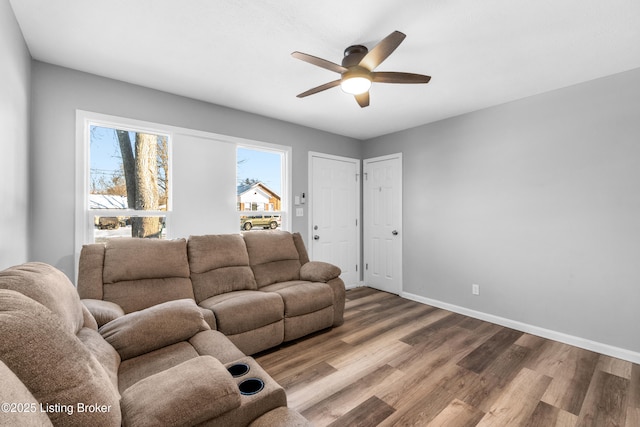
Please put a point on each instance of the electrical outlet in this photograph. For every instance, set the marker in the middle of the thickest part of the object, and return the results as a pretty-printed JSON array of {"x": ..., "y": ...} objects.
[{"x": 475, "y": 289}]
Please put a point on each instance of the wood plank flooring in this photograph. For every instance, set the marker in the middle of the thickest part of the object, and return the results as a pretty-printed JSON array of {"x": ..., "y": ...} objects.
[{"x": 397, "y": 362}]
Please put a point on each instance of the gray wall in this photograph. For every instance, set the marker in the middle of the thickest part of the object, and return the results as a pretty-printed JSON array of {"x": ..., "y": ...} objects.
[
  {"x": 58, "y": 92},
  {"x": 538, "y": 202},
  {"x": 15, "y": 94}
]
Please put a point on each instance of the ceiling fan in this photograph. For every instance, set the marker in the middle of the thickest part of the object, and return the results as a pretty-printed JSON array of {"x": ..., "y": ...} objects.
[{"x": 356, "y": 71}]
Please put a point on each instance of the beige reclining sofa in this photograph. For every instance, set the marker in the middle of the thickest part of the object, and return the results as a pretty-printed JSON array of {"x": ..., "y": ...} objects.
[
  {"x": 159, "y": 366},
  {"x": 258, "y": 288}
]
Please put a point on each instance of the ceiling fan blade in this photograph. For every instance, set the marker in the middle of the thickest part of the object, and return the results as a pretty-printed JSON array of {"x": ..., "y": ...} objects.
[
  {"x": 319, "y": 62},
  {"x": 382, "y": 50},
  {"x": 363, "y": 99},
  {"x": 392, "y": 77},
  {"x": 319, "y": 88}
]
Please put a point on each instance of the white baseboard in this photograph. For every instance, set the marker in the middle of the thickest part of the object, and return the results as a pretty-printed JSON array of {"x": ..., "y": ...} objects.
[
  {"x": 356, "y": 285},
  {"x": 595, "y": 346}
]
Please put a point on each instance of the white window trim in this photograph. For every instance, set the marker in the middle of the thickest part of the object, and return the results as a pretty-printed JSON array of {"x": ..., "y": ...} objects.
[
  {"x": 84, "y": 227},
  {"x": 84, "y": 216}
]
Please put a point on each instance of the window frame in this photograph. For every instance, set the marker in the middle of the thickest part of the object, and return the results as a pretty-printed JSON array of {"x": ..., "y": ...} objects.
[
  {"x": 84, "y": 215},
  {"x": 285, "y": 185}
]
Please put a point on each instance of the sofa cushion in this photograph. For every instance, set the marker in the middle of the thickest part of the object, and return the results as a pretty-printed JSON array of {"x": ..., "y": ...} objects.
[
  {"x": 14, "y": 392},
  {"x": 186, "y": 394},
  {"x": 103, "y": 311},
  {"x": 139, "y": 273},
  {"x": 216, "y": 344},
  {"x": 219, "y": 264},
  {"x": 155, "y": 327},
  {"x": 48, "y": 286},
  {"x": 256, "y": 340},
  {"x": 273, "y": 256},
  {"x": 135, "y": 259},
  {"x": 242, "y": 311},
  {"x": 135, "y": 295},
  {"x": 135, "y": 369},
  {"x": 302, "y": 297},
  {"x": 53, "y": 364}
]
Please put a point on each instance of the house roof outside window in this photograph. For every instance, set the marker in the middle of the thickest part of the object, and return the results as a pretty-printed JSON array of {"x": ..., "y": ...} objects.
[{"x": 247, "y": 190}]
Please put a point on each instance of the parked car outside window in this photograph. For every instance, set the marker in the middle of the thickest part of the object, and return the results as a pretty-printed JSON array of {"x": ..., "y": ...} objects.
[{"x": 261, "y": 221}]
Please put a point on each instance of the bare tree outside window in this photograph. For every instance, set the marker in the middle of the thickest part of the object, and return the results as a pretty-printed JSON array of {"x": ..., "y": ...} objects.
[{"x": 132, "y": 168}]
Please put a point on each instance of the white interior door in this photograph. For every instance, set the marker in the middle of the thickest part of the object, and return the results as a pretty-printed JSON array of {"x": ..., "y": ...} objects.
[
  {"x": 335, "y": 209},
  {"x": 383, "y": 223}
]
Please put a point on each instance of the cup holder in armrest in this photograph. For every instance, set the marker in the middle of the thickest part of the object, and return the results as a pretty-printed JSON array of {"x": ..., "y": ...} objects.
[
  {"x": 238, "y": 369},
  {"x": 251, "y": 386}
]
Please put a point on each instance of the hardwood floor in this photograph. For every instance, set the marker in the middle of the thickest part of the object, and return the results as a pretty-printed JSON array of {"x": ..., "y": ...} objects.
[{"x": 399, "y": 362}]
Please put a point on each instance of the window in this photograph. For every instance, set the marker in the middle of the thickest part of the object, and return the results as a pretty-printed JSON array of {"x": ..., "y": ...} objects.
[
  {"x": 127, "y": 186},
  {"x": 262, "y": 187},
  {"x": 184, "y": 182}
]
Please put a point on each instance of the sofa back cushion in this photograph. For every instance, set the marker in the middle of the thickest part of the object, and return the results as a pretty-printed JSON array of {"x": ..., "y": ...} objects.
[
  {"x": 219, "y": 264},
  {"x": 48, "y": 286},
  {"x": 140, "y": 273},
  {"x": 273, "y": 256},
  {"x": 90, "y": 268},
  {"x": 53, "y": 364}
]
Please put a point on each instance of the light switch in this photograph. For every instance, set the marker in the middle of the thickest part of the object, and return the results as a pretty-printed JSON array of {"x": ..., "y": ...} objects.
[{"x": 299, "y": 211}]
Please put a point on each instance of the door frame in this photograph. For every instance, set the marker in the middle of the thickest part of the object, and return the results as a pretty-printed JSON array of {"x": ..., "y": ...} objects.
[
  {"x": 358, "y": 208},
  {"x": 398, "y": 156}
]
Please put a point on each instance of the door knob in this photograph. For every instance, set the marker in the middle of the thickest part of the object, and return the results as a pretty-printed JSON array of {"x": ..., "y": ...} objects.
[
  {"x": 394, "y": 232},
  {"x": 316, "y": 237}
]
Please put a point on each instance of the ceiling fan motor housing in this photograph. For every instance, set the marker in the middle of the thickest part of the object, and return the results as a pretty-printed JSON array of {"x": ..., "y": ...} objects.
[{"x": 353, "y": 55}]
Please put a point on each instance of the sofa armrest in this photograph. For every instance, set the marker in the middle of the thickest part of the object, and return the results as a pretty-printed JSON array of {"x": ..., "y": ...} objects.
[
  {"x": 318, "y": 271},
  {"x": 103, "y": 311},
  {"x": 153, "y": 328},
  {"x": 186, "y": 394},
  {"x": 209, "y": 317}
]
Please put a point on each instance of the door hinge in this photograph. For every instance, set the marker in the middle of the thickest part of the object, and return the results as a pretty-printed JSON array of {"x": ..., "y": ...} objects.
[
  {"x": 356, "y": 222},
  {"x": 356, "y": 267},
  {"x": 357, "y": 175},
  {"x": 366, "y": 266}
]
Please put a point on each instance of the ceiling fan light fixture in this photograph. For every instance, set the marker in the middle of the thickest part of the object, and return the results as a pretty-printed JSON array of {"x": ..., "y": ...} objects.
[
  {"x": 355, "y": 82},
  {"x": 356, "y": 71}
]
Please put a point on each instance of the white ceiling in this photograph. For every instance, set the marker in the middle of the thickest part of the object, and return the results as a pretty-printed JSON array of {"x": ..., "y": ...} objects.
[{"x": 236, "y": 53}]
